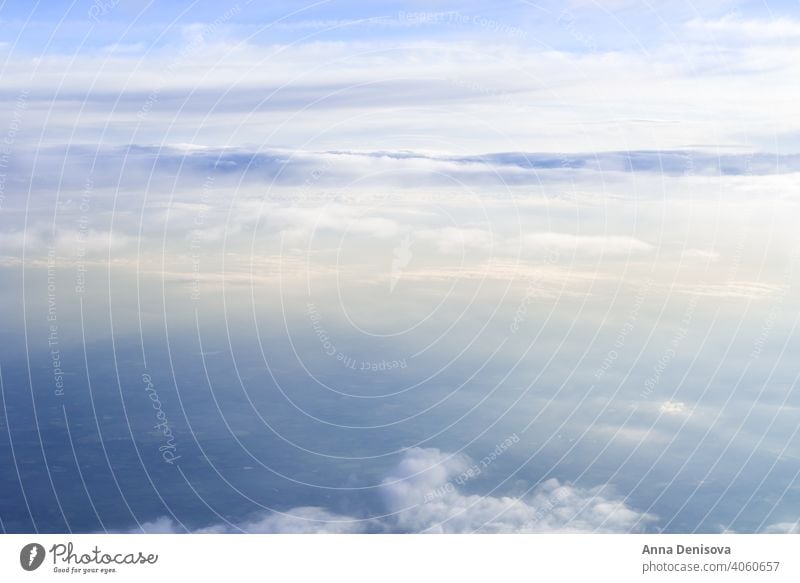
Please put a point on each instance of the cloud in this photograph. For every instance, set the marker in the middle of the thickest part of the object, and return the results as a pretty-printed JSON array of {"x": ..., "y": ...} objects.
[
  {"x": 735, "y": 290},
  {"x": 421, "y": 495},
  {"x": 672, "y": 408},
  {"x": 783, "y": 528},
  {"x": 206, "y": 94},
  {"x": 91, "y": 241},
  {"x": 161, "y": 525},
  {"x": 300, "y": 520},
  {"x": 585, "y": 245},
  {"x": 304, "y": 520},
  {"x": 302, "y": 222},
  {"x": 699, "y": 255},
  {"x": 14, "y": 240},
  {"x": 457, "y": 240},
  {"x": 733, "y": 25},
  {"x": 417, "y": 493}
]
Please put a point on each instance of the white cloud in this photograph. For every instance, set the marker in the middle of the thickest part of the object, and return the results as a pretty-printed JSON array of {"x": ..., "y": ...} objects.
[
  {"x": 584, "y": 245},
  {"x": 15, "y": 240},
  {"x": 420, "y": 495},
  {"x": 357, "y": 83},
  {"x": 303, "y": 520},
  {"x": 737, "y": 290},
  {"x": 161, "y": 525},
  {"x": 457, "y": 240},
  {"x": 783, "y": 528},
  {"x": 551, "y": 507},
  {"x": 699, "y": 255},
  {"x": 672, "y": 408},
  {"x": 302, "y": 221},
  {"x": 90, "y": 241},
  {"x": 300, "y": 520},
  {"x": 733, "y": 25}
]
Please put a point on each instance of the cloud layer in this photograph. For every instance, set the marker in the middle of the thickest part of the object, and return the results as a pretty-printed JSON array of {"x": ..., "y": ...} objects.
[{"x": 422, "y": 495}]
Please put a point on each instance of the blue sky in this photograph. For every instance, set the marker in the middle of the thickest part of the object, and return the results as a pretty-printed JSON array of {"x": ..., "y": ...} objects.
[{"x": 56, "y": 27}]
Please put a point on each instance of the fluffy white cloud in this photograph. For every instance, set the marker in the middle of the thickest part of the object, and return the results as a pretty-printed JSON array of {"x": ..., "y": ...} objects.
[
  {"x": 423, "y": 498},
  {"x": 421, "y": 494}
]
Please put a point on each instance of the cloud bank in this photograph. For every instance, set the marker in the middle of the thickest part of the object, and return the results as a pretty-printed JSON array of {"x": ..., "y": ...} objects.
[{"x": 422, "y": 495}]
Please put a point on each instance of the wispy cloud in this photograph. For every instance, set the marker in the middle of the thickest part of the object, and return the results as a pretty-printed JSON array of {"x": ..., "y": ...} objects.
[{"x": 737, "y": 28}]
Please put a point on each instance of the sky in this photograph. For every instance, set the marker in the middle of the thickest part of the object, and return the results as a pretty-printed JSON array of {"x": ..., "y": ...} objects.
[{"x": 404, "y": 267}]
